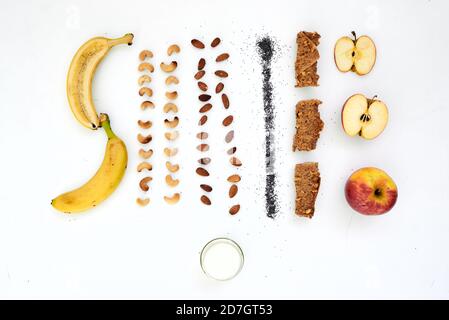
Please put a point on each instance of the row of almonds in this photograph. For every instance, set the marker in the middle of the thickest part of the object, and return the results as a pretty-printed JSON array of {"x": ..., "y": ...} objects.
[
  {"x": 144, "y": 137},
  {"x": 171, "y": 122},
  {"x": 204, "y": 97}
]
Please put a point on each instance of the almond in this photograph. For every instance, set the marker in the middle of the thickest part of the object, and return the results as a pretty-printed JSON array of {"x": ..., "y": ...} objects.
[
  {"x": 233, "y": 191},
  {"x": 225, "y": 100},
  {"x": 200, "y": 74},
  {"x": 215, "y": 42},
  {"x": 205, "y": 108},
  {"x": 228, "y": 120},
  {"x": 204, "y": 97},
  {"x": 222, "y": 57},
  {"x": 232, "y": 150},
  {"x": 221, "y": 73},
  {"x": 229, "y": 136},
  {"x": 202, "y": 172},
  {"x": 197, "y": 44},
  {"x": 204, "y": 161},
  {"x": 234, "y": 209},
  {"x": 206, "y": 187},
  {"x": 202, "y": 86},
  {"x": 234, "y": 178},
  {"x": 219, "y": 87},
  {"x": 205, "y": 200},
  {"x": 203, "y": 120},
  {"x": 201, "y": 64},
  {"x": 235, "y": 162},
  {"x": 203, "y": 147},
  {"x": 202, "y": 135}
]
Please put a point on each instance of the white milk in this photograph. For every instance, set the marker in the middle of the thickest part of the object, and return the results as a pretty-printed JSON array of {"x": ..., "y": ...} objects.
[{"x": 222, "y": 259}]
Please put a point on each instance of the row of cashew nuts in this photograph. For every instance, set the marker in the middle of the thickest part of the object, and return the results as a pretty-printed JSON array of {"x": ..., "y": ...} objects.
[
  {"x": 171, "y": 123},
  {"x": 145, "y": 67}
]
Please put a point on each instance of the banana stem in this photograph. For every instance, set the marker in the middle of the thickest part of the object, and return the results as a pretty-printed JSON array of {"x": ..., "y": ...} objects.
[
  {"x": 127, "y": 38},
  {"x": 106, "y": 124}
]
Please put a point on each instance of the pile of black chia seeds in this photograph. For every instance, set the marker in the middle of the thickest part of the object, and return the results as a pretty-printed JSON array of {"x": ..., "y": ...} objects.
[{"x": 266, "y": 49}]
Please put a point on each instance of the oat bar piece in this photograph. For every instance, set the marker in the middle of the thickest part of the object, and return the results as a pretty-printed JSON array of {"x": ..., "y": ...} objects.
[
  {"x": 307, "y": 182},
  {"x": 307, "y": 56},
  {"x": 308, "y": 125}
]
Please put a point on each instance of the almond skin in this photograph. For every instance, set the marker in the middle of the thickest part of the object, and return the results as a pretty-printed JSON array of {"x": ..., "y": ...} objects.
[
  {"x": 234, "y": 209},
  {"x": 206, "y": 187},
  {"x": 221, "y": 74},
  {"x": 234, "y": 178},
  {"x": 204, "y": 97},
  {"x": 205, "y": 108},
  {"x": 203, "y": 147},
  {"x": 202, "y": 135},
  {"x": 204, "y": 161},
  {"x": 235, "y": 162},
  {"x": 202, "y": 86},
  {"x": 202, "y": 172},
  {"x": 199, "y": 74},
  {"x": 222, "y": 57},
  {"x": 205, "y": 200},
  {"x": 232, "y": 150},
  {"x": 233, "y": 191},
  {"x": 197, "y": 44},
  {"x": 219, "y": 88},
  {"x": 203, "y": 120},
  {"x": 225, "y": 100},
  {"x": 228, "y": 120},
  {"x": 201, "y": 64},
  {"x": 215, "y": 42},
  {"x": 229, "y": 136}
]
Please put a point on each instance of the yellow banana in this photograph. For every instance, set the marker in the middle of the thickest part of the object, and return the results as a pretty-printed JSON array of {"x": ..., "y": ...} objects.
[
  {"x": 104, "y": 182},
  {"x": 81, "y": 73}
]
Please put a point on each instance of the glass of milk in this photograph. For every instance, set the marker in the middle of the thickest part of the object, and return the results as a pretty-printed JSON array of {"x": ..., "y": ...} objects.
[{"x": 221, "y": 259}]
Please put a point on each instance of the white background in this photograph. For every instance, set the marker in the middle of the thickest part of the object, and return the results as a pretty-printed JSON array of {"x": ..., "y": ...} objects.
[{"x": 120, "y": 250}]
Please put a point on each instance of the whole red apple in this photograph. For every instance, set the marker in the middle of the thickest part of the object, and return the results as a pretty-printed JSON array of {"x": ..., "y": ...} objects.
[{"x": 371, "y": 191}]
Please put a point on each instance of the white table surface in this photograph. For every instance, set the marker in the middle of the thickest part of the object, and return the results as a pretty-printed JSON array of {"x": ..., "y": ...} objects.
[{"x": 121, "y": 251}]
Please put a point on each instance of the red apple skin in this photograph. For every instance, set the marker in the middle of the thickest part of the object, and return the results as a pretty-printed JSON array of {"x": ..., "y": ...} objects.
[{"x": 361, "y": 194}]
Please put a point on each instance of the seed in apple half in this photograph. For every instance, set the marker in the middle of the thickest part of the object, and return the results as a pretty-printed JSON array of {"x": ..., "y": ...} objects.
[
  {"x": 364, "y": 117},
  {"x": 357, "y": 55}
]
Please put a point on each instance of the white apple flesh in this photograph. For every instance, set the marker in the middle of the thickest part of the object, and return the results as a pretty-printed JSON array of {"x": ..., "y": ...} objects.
[
  {"x": 358, "y": 54},
  {"x": 363, "y": 117}
]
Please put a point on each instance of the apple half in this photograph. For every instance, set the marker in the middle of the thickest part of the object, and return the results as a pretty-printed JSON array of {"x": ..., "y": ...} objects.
[
  {"x": 357, "y": 55},
  {"x": 364, "y": 117}
]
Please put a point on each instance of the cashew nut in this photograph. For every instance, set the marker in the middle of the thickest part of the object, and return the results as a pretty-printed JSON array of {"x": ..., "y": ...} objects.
[
  {"x": 145, "y": 154},
  {"x": 172, "y": 135},
  {"x": 169, "y": 67},
  {"x": 144, "y": 166},
  {"x": 144, "y": 139},
  {"x": 143, "y": 184},
  {"x": 170, "y": 80},
  {"x": 146, "y": 91},
  {"x": 144, "y": 79},
  {"x": 146, "y": 104},
  {"x": 146, "y": 66},
  {"x": 170, "y": 152},
  {"x": 170, "y": 181},
  {"x": 171, "y": 95},
  {"x": 145, "y": 54},
  {"x": 145, "y": 124},
  {"x": 170, "y": 107},
  {"x": 172, "y": 167},
  {"x": 174, "y": 48},
  {"x": 173, "y": 199},
  {"x": 142, "y": 202},
  {"x": 171, "y": 123}
]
